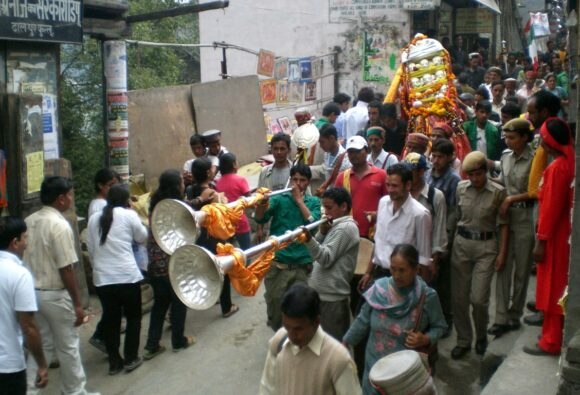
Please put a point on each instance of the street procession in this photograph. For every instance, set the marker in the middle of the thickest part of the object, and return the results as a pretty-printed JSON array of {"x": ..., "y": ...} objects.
[{"x": 342, "y": 197}]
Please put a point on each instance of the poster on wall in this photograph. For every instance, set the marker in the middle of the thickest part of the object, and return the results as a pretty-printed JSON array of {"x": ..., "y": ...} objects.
[
  {"x": 295, "y": 92},
  {"x": 310, "y": 91},
  {"x": 376, "y": 59},
  {"x": 293, "y": 70},
  {"x": 285, "y": 125},
  {"x": 473, "y": 21},
  {"x": 34, "y": 171},
  {"x": 282, "y": 92},
  {"x": 268, "y": 91},
  {"x": 49, "y": 128},
  {"x": 266, "y": 63},
  {"x": 305, "y": 70},
  {"x": 317, "y": 68},
  {"x": 32, "y": 143},
  {"x": 281, "y": 69}
]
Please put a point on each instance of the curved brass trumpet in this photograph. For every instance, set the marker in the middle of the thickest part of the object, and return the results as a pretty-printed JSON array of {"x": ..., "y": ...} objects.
[
  {"x": 197, "y": 275},
  {"x": 174, "y": 223}
]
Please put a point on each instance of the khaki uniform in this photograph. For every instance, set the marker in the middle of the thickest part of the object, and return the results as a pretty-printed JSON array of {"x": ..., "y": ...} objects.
[
  {"x": 515, "y": 172},
  {"x": 474, "y": 252}
]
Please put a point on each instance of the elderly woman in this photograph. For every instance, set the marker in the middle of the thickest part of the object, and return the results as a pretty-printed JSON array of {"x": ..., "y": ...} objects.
[{"x": 393, "y": 307}]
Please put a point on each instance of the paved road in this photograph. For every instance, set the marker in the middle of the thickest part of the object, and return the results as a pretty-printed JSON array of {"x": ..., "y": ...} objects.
[{"x": 228, "y": 358}]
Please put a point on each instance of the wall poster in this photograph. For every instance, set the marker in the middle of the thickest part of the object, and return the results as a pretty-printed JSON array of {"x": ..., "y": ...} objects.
[{"x": 376, "y": 58}]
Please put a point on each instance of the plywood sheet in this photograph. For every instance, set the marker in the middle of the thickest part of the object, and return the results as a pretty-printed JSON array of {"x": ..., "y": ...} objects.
[
  {"x": 160, "y": 124},
  {"x": 233, "y": 106}
]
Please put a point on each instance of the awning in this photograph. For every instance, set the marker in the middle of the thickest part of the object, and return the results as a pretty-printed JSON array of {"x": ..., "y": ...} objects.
[{"x": 491, "y": 4}]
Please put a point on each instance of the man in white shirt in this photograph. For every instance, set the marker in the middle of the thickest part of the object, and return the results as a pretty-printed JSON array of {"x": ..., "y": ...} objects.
[
  {"x": 356, "y": 118},
  {"x": 302, "y": 358},
  {"x": 17, "y": 307},
  {"x": 51, "y": 256},
  {"x": 400, "y": 220},
  {"x": 378, "y": 157},
  {"x": 434, "y": 201},
  {"x": 343, "y": 100}
]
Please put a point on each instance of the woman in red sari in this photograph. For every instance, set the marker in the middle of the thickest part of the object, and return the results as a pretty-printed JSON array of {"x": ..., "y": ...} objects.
[{"x": 552, "y": 250}]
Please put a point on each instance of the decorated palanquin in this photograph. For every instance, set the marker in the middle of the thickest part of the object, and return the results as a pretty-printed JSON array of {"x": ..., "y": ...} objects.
[{"x": 426, "y": 92}]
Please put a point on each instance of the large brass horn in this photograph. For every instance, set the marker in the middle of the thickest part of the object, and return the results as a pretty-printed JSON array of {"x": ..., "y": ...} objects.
[
  {"x": 197, "y": 275},
  {"x": 175, "y": 224}
]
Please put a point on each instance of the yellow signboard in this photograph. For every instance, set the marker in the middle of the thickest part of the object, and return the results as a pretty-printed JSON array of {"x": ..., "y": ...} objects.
[{"x": 473, "y": 21}]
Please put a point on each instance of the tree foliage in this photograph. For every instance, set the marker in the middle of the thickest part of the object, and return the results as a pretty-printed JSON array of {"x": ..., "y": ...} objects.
[{"x": 81, "y": 89}]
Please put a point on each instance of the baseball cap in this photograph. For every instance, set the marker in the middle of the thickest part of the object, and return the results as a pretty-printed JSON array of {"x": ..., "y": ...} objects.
[{"x": 356, "y": 142}]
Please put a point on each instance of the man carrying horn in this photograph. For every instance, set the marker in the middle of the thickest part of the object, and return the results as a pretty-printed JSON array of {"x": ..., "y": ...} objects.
[{"x": 294, "y": 263}]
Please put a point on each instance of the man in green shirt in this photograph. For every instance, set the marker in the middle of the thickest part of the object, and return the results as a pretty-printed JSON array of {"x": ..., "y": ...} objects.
[
  {"x": 330, "y": 112},
  {"x": 294, "y": 263}
]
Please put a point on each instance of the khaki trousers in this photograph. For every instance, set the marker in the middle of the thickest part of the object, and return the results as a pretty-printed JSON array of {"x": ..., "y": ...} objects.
[
  {"x": 277, "y": 282},
  {"x": 472, "y": 268},
  {"x": 518, "y": 266}
]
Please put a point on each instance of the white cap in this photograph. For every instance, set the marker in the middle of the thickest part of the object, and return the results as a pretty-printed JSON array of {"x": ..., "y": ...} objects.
[
  {"x": 211, "y": 135},
  {"x": 356, "y": 142}
]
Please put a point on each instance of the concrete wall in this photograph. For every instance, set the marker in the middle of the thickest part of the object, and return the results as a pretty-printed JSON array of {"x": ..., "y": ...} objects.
[{"x": 295, "y": 29}]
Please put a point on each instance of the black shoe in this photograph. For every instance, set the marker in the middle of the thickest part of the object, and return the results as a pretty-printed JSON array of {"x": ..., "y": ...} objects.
[
  {"x": 498, "y": 330},
  {"x": 116, "y": 368},
  {"x": 532, "y": 306},
  {"x": 481, "y": 346},
  {"x": 536, "y": 350},
  {"x": 536, "y": 319},
  {"x": 514, "y": 325},
  {"x": 134, "y": 364},
  {"x": 459, "y": 352}
]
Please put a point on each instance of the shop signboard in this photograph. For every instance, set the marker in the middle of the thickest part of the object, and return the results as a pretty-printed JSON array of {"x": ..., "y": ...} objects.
[
  {"x": 58, "y": 21},
  {"x": 473, "y": 21}
]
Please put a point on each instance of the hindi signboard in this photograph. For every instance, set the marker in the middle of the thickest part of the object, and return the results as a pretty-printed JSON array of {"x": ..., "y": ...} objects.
[
  {"x": 419, "y": 5},
  {"x": 341, "y": 11},
  {"x": 473, "y": 21},
  {"x": 57, "y": 21}
]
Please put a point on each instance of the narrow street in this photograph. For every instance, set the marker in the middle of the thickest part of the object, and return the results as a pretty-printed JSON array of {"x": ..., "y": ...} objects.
[{"x": 229, "y": 355}]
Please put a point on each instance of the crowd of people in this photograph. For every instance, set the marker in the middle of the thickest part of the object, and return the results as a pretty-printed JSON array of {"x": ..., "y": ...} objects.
[{"x": 441, "y": 228}]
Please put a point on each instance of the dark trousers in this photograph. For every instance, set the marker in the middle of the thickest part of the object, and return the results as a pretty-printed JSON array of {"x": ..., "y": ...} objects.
[
  {"x": 244, "y": 240},
  {"x": 13, "y": 383},
  {"x": 116, "y": 300},
  {"x": 165, "y": 298},
  {"x": 335, "y": 318},
  {"x": 226, "y": 296}
]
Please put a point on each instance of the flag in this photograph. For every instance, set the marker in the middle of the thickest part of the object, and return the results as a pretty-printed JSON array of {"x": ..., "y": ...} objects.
[{"x": 532, "y": 45}]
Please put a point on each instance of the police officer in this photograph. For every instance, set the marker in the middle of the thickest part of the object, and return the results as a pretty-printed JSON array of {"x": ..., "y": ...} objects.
[
  {"x": 518, "y": 206},
  {"x": 476, "y": 252}
]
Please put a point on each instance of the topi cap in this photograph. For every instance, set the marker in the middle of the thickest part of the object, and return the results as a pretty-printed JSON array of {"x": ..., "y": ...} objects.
[
  {"x": 212, "y": 135},
  {"x": 356, "y": 143},
  {"x": 474, "y": 55},
  {"x": 418, "y": 139},
  {"x": 475, "y": 160},
  {"x": 416, "y": 161},
  {"x": 518, "y": 125},
  {"x": 376, "y": 130}
]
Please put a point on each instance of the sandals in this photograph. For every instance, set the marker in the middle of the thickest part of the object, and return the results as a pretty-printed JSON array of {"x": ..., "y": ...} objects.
[
  {"x": 189, "y": 341},
  {"x": 233, "y": 310}
]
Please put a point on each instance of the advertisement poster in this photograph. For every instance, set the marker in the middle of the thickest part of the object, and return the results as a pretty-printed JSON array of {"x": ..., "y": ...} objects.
[
  {"x": 375, "y": 58},
  {"x": 49, "y": 130},
  {"x": 266, "y": 63},
  {"x": 268, "y": 91},
  {"x": 115, "y": 64},
  {"x": 282, "y": 96}
]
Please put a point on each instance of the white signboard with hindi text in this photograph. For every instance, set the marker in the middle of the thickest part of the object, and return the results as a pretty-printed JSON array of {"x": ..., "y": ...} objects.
[{"x": 341, "y": 11}]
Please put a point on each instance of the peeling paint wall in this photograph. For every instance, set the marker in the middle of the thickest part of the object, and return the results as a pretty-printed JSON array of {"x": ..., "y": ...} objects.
[{"x": 299, "y": 28}]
